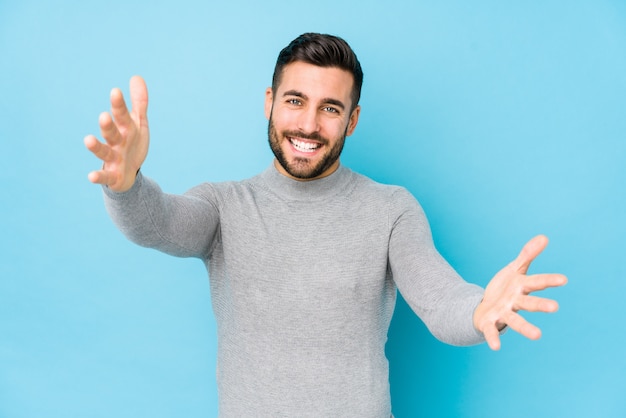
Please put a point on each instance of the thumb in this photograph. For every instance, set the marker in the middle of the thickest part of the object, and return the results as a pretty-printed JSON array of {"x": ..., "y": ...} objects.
[{"x": 529, "y": 252}]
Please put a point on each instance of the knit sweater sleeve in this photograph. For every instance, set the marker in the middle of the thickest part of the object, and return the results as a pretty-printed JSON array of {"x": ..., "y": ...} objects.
[
  {"x": 433, "y": 289},
  {"x": 180, "y": 225}
]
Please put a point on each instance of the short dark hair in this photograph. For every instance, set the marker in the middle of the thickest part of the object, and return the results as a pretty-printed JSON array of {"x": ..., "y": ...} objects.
[{"x": 324, "y": 51}]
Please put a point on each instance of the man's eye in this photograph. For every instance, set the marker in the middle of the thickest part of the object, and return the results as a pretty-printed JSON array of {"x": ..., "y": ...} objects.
[
  {"x": 295, "y": 102},
  {"x": 330, "y": 109}
]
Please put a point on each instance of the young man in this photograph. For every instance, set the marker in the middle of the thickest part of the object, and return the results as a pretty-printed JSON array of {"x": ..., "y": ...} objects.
[{"x": 305, "y": 258}]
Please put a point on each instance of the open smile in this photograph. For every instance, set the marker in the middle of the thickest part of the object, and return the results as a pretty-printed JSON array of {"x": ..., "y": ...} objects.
[{"x": 304, "y": 146}]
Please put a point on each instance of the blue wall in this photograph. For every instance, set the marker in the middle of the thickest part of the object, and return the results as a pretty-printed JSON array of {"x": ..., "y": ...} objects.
[{"x": 505, "y": 119}]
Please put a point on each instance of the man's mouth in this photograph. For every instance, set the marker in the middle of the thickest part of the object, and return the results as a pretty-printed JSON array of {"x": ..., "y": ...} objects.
[{"x": 303, "y": 146}]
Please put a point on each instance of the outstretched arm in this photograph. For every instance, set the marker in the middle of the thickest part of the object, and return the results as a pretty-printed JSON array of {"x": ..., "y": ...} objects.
[
  {"x": 509, "y": 292},
  {"x": 126, "y": 136},
  {"x": 181, "y": 225}
]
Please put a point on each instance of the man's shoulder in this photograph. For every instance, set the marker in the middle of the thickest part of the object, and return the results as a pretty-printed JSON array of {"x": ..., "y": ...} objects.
[
  {"x": 367, "y": 184},
  {"x": 221, "y": 187}
]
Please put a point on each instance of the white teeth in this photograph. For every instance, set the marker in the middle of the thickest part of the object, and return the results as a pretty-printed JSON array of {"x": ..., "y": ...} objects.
[{"x": 304, "y": 146}]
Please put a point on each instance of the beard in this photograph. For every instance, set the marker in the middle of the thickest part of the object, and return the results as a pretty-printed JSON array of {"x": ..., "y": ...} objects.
[{"x": 301, "y": 167}]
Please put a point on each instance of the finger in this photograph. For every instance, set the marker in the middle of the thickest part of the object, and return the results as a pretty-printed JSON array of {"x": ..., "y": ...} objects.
[
  {"x": 529, "y": 252},
  {"x": 492, "y": 336},
  {"x": 109, "y": 130},
  {"x": 525, "y": 328},
  {"x": 536, "y": 304},
  {"x": 119, "y": 109},
  {"x": 139, "y": 98},
  {"x": 102, "y": 177},
  {"x": 91, "y": 142},
  {"x": 538, "y": 282},
  {"x": 100, "y": 150}
]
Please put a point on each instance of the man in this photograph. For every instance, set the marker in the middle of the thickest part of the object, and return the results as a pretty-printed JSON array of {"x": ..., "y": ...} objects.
[{"x": 305, "y": 258}]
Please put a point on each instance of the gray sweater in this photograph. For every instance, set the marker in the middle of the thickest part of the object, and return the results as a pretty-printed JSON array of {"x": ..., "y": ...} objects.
[{"x": 303, "y": 279}]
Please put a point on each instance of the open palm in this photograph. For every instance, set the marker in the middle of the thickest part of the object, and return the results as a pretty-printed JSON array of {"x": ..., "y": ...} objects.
[{"x": 126, "y": 136}]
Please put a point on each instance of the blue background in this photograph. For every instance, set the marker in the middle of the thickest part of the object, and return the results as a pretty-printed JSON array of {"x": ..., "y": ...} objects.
[{"x": 505, "y": 119}]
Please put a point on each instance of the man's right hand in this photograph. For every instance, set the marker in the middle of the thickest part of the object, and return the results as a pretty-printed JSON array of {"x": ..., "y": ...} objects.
[{"x": 127, "y": 137}]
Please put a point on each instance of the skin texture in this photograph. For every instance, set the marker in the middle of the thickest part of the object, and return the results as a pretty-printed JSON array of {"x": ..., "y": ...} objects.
[{"x": 312, "y": 106}]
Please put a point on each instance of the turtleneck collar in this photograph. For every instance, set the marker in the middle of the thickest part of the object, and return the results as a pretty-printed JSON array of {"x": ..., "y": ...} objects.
[{"x": 290, "y": 189}]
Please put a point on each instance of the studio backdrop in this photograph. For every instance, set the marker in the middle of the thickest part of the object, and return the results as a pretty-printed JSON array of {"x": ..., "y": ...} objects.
[{"x": 505, "y": 120}]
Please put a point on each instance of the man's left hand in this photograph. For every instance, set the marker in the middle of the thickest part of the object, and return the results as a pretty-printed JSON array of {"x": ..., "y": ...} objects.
[{"x": 509, "y": 292}]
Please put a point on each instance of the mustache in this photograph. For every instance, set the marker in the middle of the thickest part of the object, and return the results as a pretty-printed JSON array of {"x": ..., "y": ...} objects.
[{"x": 314, "y": 136}]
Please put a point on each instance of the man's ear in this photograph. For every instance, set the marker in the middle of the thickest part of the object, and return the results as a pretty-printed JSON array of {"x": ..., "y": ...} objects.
[
  {"x": 269, "y": 100},
  {"x": 354, "y": 120}
]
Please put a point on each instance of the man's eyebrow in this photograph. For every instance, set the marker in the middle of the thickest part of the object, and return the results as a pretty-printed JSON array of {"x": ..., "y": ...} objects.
[
  {"x": 327, "y": 100},
  {"x": 334, "y": 102},
  {"x": 295, "y": 93}
]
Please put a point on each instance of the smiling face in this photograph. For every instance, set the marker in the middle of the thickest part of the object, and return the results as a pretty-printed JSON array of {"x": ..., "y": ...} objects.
[{"x": 310, "y": 114}]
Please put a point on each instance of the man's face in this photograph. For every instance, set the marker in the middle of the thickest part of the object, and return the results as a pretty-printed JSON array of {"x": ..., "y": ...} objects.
[{"x": 309, "y": 118}]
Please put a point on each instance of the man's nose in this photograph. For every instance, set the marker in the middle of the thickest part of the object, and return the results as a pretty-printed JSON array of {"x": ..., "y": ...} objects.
[{"x": 308, "y": 122}]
